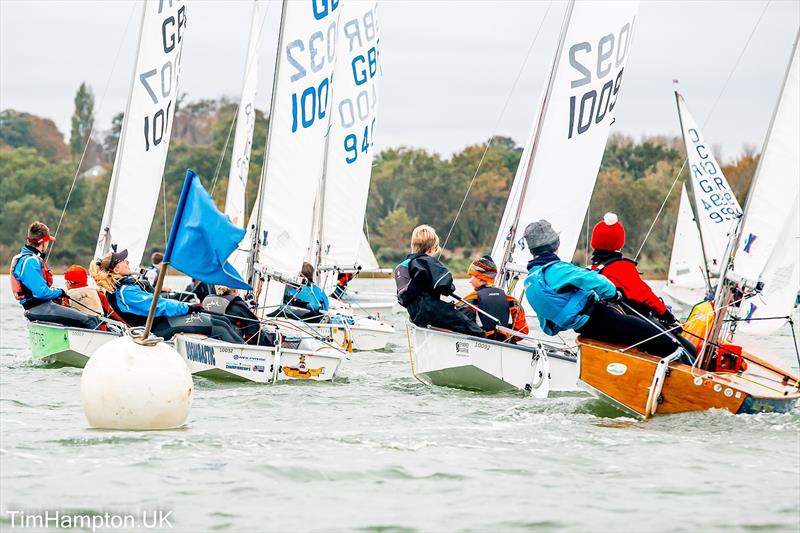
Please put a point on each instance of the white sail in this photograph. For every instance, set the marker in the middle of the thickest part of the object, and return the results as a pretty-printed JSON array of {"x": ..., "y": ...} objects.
[
  {"x": 366, "y": 257},
  {"x": 560, "y": 163},
  {"x": 297, "y": 135},
  {"x": 686, "y": 279},
  {"x": 352, "y": 135},
  {"x": 146, "y": 129},
  {"x": 781, "y": 277},
  {"x": 716, "y": 206},
  {"x": 775, "y": 186},
  {"x": 245, "y": 124}
]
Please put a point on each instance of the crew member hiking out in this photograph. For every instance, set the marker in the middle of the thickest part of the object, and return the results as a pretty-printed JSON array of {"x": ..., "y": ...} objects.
[
  {"x": 421, "y": 280},
  {"x": 131, "y": 301},
  {"x": 32, "y": 284},
  {"x": 565, "y": 296},
  {"x": 608, "y": 238},
  {"x": 493, "y": 301}
]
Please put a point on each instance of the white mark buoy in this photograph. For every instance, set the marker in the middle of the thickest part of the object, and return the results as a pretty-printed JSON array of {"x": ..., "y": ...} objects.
[{"x": 129, "y": 386}]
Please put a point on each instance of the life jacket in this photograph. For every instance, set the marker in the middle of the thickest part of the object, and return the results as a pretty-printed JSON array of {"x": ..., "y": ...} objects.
[
  {"x": 598, "y": 267},
  {"x": 217, "y": 305},
  {"x": 492, "y": 301},
  {"x": 86, "y": 300},
  {"x": 406, "y": 291},
  {"x": 20, "y": 291},
  {"x": 557, "y": 311},
  {"x": 129, "y": 318}
]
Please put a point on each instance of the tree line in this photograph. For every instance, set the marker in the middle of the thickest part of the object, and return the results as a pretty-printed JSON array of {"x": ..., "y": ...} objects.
[{"x": 409, "y": 186}]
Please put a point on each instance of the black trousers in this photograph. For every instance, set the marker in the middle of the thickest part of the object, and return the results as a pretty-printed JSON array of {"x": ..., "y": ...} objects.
[
  {"x": 58, "y": 314},
  {"x": 608, "y": 325},
  {"x": 216, "y": 327},
  {"x": 434, "y": 312}
]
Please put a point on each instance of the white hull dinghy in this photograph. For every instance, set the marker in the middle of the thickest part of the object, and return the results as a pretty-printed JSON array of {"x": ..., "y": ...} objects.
[
  {"x": 304, "y": 359},
  {"x": 55, "y": 344},
  {"x": 364, "y": 334},
  {"x": 451, "y": 360}
]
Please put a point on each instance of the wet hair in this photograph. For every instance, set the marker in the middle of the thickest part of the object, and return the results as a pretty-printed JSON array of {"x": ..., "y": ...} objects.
[
  {"x": 423, "y": 238},
  {"x": 307, "y": 271}
]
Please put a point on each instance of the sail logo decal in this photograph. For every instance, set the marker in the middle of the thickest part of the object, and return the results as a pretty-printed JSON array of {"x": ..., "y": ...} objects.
[
  {"x": 200, "y": 353},
  {"x": 462, "y": 348},
  {"x": 301, "y": 371},
  {"x": 748, "y": 242},
  {"x": 750, "y": 312}
]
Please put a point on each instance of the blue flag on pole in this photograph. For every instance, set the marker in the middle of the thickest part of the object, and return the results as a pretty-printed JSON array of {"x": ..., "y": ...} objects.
[{"x": 202, "y": 238}]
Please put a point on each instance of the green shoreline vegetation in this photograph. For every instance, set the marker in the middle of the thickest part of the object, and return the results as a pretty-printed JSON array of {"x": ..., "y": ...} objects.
[{"x": 409, "y": 185}]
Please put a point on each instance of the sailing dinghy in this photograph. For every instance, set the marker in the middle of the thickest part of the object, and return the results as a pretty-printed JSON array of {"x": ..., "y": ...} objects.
[
  {"x": 300, "y": 96},
  {"x": 563, "y": 153},
  {"x": 138, "y": 168},
  {"x": 759, "y": 280}
]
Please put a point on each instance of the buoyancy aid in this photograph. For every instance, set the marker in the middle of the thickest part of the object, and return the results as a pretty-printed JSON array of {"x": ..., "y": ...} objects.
[
  {"x": 86, "y": 300},
  {"x": 407, "y": 292},
  {"x": 21, "y": 293},
  {"x": 557, "y": 311},
  {"x": 129, "y": 318},
  {"x": 492, "y": 301}
]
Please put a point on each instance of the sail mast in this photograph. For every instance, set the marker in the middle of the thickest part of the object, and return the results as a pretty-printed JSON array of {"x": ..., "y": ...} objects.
[
  {"x": 104, "y": 240},
  {"x": 512, "y": 231},
  {"x": 256, "y": 243}
]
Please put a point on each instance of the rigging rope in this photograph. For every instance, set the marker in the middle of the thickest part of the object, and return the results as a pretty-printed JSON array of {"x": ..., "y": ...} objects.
[
  {"x": 705, "y": 122},
  {"x": 236, "y": 111},
  {"x": 494, "y": 130},
  {"x": 91, "y": 129}
]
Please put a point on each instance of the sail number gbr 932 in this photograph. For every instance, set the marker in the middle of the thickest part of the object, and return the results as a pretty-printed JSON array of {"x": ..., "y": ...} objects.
[
  {"x": 158, "y": 72},
  {"x": 594, "y": 63}
]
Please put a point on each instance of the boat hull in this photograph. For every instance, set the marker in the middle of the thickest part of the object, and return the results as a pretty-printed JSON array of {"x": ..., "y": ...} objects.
[
  {"x": 364, "y": 335},
  {"x": 452, "y": 360},
  {"x": 213, "y": 359},
  {"x": 625, "y": 380},
  {"x": 54, "y": 344}
]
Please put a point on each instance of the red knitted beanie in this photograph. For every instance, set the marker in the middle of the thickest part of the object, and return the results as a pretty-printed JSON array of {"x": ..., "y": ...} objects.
[{"x": 608, "y": 234}]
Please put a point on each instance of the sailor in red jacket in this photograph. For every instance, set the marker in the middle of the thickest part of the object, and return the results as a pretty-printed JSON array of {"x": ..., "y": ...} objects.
[{"x": 608, "y": 238}]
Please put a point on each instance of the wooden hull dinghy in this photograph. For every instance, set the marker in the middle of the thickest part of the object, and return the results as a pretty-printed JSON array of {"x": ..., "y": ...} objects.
[
  {"x": 449, "y": 359},
  {"x": 645, "y": 385},
  {"x": 296, "y": 359},
  {"x": 55, "y": 344}
]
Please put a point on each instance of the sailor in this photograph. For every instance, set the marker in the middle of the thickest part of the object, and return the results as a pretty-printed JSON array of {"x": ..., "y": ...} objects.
[
  {"x": 493, "y": 301},
  {"x": 32, "y": 283},
  {"x": 131, "y": 301},
  {"x": 341, "y": 284},
  {"x": 608, "y": 238},
  {"x": 84, "y": 298},
  {"x": 151, "y": 273},
  {"x": 228, "y": 303},
  {"x": 422, "y": 280},
  {"x": 565, "y": 296},
  {"x": 309, "y": 296},
  {"x": 200, "y": 289}
]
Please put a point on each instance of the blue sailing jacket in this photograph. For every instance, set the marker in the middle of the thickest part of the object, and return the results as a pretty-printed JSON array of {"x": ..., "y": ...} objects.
[
  {"x": 131, "y": 298},
  {"x": 309, "y": 296},
  {"x": 28, "y": 270},
  {"x": 559, "y": 292}
]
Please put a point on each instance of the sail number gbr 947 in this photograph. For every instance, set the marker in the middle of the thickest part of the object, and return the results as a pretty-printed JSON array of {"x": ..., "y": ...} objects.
[{"x": 594, "y": 63}]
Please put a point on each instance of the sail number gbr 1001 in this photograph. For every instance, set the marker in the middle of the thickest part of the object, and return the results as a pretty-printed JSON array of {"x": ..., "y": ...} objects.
[{"x": 595, "y": 62}]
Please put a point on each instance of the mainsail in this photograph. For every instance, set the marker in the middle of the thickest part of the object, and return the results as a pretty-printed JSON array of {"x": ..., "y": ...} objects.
[
  {"x": 559, "y": 165},
  {"x": 351, "y": 140},
  {"x": 717, "y": 210},
  {"x": 146, "y": 129},
  {"x": 299, "y": 120},
  {"x": 768, "y": 249},
  {"x": 686, "y": 281},
  {"x": 245, "y": 123}
]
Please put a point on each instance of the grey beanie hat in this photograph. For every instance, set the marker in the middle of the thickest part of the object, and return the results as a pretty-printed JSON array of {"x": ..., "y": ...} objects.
[{"x": 541, "y": 237}]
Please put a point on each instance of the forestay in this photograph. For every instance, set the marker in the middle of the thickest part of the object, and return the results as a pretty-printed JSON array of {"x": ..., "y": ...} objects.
[
  {"x": 245, "y": 124},
  {"x": 769, "y": 244},
  {"x": 686, "y": 270},
  {"x": 352, "y": 135},
  {"x": 142, "y": 149},
  {"x": 557, "y": 173},
  {"x": 715, "y": 204},
  {"x": 297, "y": 135}
]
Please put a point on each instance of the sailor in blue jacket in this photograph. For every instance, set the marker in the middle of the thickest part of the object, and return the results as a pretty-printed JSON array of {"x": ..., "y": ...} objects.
[
  {"x": 309, "y": 296},
  {"x": 565, "y": 296},
  {"x": 131, "y": 300},
  {"x": 32, "y": 283}
]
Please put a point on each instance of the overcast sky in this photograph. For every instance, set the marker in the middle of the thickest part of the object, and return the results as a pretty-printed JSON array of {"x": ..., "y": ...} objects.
[{"x": 448, "y": 66}]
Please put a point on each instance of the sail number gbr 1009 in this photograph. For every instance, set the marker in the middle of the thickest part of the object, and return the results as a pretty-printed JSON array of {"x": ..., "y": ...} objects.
[{"x": 595, "y": 62}]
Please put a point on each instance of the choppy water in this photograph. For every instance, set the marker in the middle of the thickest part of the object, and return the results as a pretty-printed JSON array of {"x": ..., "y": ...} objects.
[{"x": 377, "y": 450}]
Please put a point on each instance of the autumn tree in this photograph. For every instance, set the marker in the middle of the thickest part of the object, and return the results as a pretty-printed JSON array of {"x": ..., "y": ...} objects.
[{"x": 82, "y": 120}]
